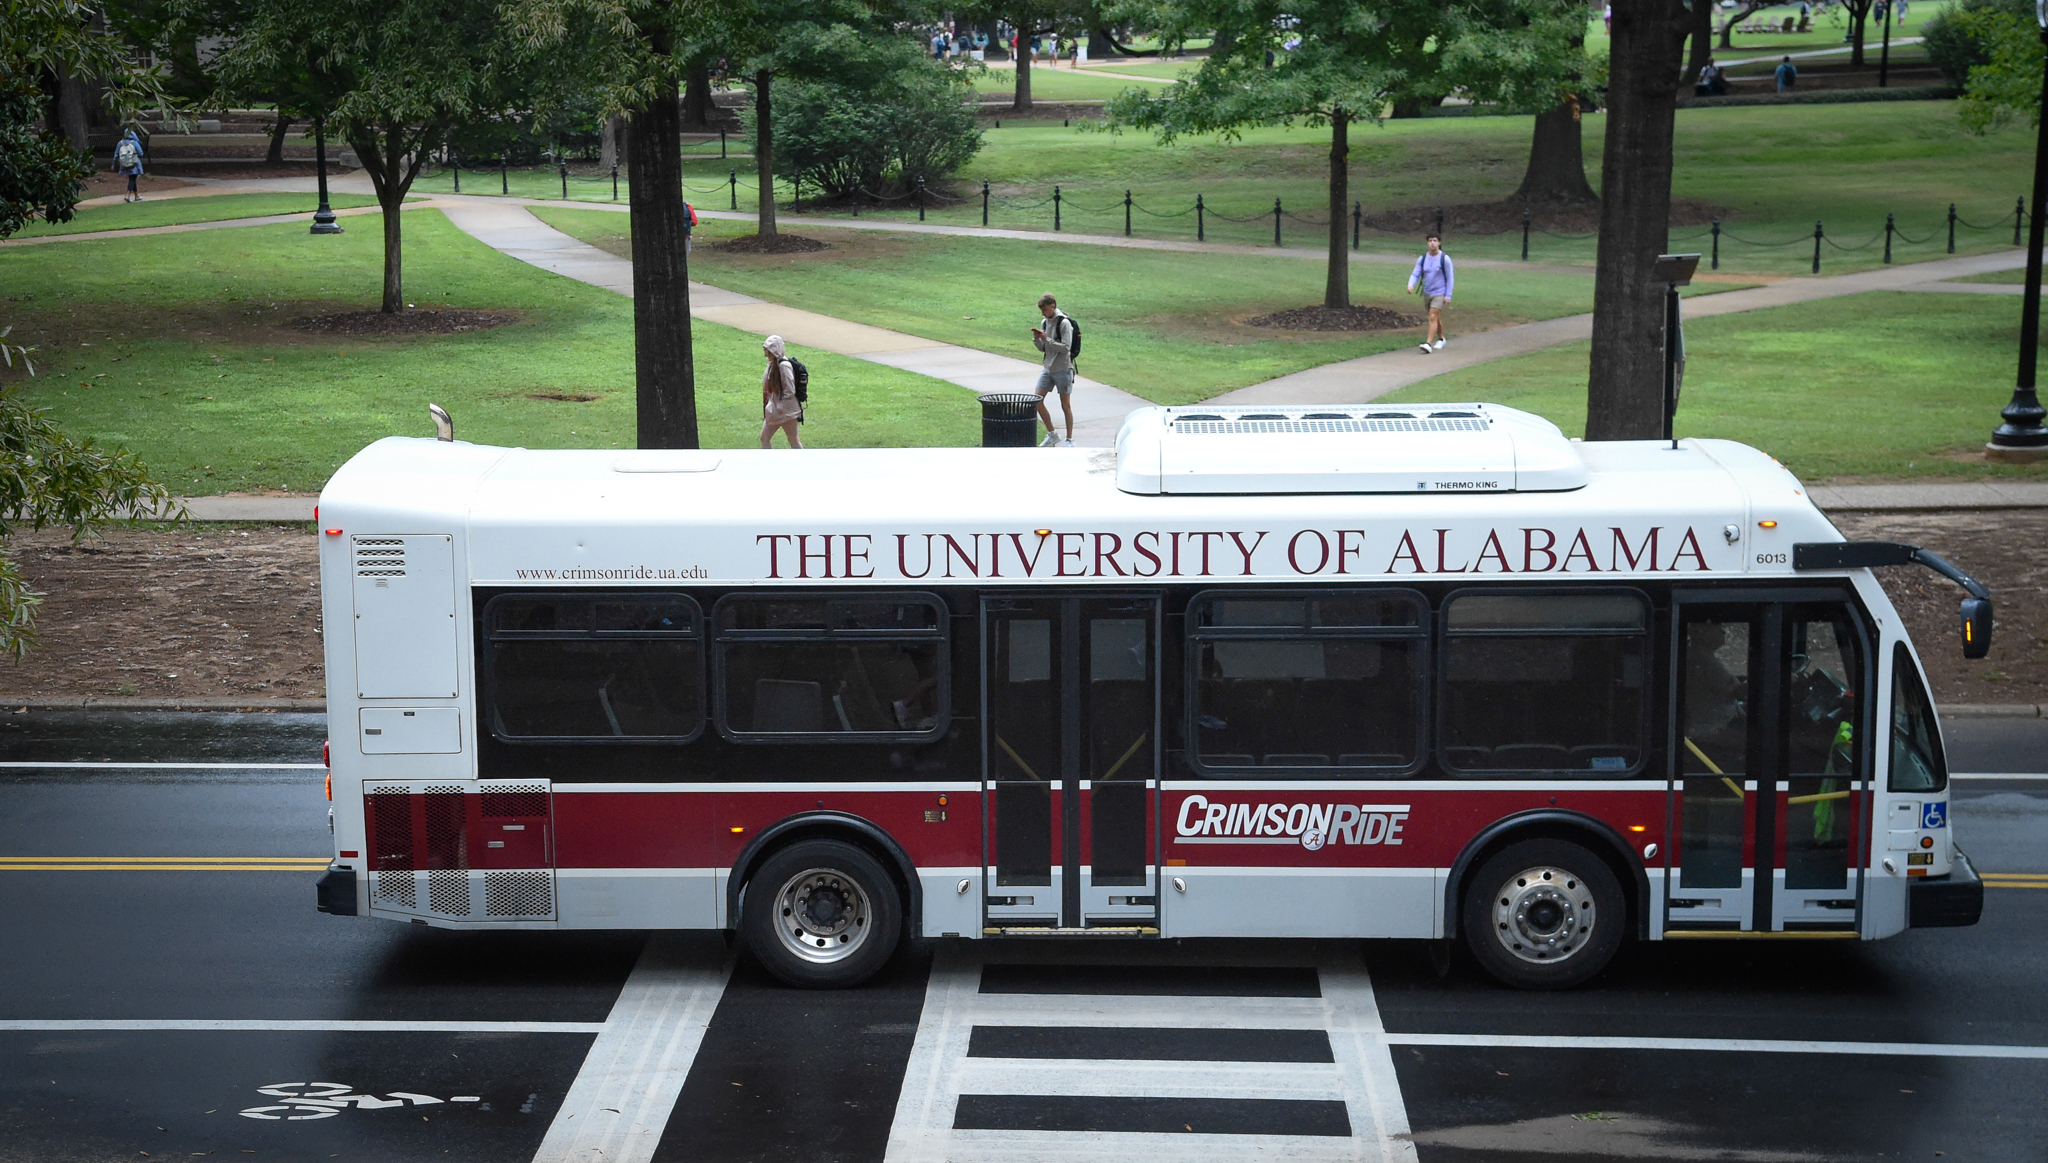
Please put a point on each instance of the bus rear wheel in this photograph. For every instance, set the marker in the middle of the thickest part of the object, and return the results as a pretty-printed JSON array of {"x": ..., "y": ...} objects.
[
  {"x": 1543, "y": 914},
  {"x": 821, "y": 914}
]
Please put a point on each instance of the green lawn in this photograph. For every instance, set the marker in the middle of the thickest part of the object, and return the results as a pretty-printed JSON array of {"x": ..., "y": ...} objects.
[
  {"x": 1884, "y": 384},
  {"x": 1061, "y": 84},
  {"x": 180, "y": 347},
  {"x": 195, "y": 208},
  {"x": 1169, "y": 326},
  {"x": 1826, "y": 32},
  {"x": 2016, "y": 275}
]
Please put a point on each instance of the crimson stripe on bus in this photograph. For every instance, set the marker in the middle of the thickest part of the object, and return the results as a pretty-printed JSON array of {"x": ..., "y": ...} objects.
[
  {"x": 1149, "y": 1044},
  {"x": 1159, "y": 1116},
  {"x": 1160, "y": 980}
]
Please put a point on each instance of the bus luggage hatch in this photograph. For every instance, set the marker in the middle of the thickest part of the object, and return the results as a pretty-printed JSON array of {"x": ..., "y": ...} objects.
[
  {"x": 1772, "y": 795},
  {"x": 1071, "y": 751}
]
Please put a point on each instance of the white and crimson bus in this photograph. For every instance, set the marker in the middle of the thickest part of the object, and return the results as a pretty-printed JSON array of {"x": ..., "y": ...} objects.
[{"x": 1429, "y": 672}]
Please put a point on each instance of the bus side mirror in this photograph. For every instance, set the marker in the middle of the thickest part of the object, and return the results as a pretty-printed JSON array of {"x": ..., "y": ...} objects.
[{"x": 1976, "y": 627}]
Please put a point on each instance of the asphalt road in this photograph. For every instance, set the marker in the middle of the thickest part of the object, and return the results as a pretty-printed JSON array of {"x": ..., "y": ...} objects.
[{"x": 168, "y": 992}]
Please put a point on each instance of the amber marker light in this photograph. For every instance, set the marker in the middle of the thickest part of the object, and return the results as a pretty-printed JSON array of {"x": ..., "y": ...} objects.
[
  {"x": 1637, "y": 828},
  {"x": 942, "y": 801},
  {"x": 1043, "y": 532},
  {"x": 737, "y": 831},
  {"x": 1927, "y": 841},
  {"x": 1767, "y": 524}
]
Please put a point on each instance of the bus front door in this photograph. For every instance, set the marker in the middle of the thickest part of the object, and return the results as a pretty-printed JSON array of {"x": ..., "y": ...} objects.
[
  {"x": 1771, "y": 795},
  {"x": 1071, "y": 746}
]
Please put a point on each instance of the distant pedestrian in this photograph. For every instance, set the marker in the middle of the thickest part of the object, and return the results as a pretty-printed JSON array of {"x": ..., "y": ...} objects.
[
  {"x": 689, "y": 226},
  {"x": 1437, "y": 277},
  {"x": 1787, "y": 74},
  {"x": 1056, "y": 341},
  {"x": 1607, "y": 15},
  {"x": 779, "y": 406},
  {"x": 1712, "y": 83},
  {"x": 128, "y": 159}
]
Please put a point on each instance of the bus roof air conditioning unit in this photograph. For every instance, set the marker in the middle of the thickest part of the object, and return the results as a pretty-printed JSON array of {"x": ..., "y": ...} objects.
[{"x": 1417, "y": 448}]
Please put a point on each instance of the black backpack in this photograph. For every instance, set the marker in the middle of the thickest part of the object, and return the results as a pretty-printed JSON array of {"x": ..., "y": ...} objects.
[
  {"x": 1074, "y": 346},
  {"x": 803, "y": 379}
]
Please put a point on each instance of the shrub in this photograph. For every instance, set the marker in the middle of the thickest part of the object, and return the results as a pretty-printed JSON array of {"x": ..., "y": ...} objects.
[
  {"x": 880, "y": 132},
  {"x": 1956, "y": 44}
]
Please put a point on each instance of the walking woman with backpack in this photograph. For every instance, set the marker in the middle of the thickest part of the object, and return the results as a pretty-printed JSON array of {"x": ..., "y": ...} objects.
[
  {"x": 128, "y": 160},
  {"x": 781, "y": 405}
]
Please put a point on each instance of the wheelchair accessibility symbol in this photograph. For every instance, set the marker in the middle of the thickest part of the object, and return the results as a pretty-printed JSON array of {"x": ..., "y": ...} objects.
[
  {"x": 1934, "y": 815},
  {"x": 303, "y": 1101}
]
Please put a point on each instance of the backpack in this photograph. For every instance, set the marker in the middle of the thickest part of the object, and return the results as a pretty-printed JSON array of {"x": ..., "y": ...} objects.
[
  {"x": 803, "y": 379},
  {"x": 1073, "y": 337},
  {"x": 127, "y": 155}
]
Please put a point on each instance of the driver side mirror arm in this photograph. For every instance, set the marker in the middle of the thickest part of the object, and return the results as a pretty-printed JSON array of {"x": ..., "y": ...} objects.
[{"x": 1976, "y": 609}]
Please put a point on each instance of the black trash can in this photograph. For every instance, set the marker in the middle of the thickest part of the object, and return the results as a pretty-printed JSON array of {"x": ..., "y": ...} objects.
[{"x": 1009, "y": 420}]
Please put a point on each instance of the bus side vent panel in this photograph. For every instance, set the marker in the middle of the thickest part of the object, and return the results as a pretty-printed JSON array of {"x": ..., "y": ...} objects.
[
  {"x": 519, "y": 894},
  {"x": 448, "y": 893},
  {"x": 445, "y": 846},
  {"x": 394, "y": 889}
]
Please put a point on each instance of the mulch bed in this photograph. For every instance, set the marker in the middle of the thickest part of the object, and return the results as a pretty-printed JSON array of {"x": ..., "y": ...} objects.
[
  {"x": 776, "y": 244},
  {"x": 431, "y": 321},
  {"x": 1506, "y": 217},
  {"x": 1320, "y": 318}
]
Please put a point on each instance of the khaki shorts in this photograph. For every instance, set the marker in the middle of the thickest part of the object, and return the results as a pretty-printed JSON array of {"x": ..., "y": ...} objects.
[{"x": 1439, "y": 302}]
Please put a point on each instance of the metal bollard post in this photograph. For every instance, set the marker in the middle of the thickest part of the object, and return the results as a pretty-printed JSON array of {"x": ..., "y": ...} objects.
[
  {"x": 1276, "y": 222},
  {"x": 1889, "y": 220},
  {"x": 1127, "y": 213},
  {"x": 615, "y": 183},
  {"x": 1951, "y": 227},
  {"x": 455, "y": 163},
  {"x": 721, "y": 145},
  {"x": 1055, "y": 208},
  {"x": 565, "y": 179},
  {"x": 732, "y": 181},
  {"x": 1357, "y": 211},
  {"x": 504, "y": 176},
  {"x": 1200, "y": 234},
  {"x": 920, "y": 197},
  {"x": 1525, "y": 234},
  {"x": 1816, "y": 246},
  {"x": 984, "y": 201},
  {"x": 1716, "y": 232},
  {"x": 2019, "y": 218}
]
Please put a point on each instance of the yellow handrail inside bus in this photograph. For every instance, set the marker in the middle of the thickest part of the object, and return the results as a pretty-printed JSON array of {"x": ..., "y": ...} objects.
[
  {"x": 1713, "y": 767},
  {"x": 1817, "y": 797},
  {"x": 1019, "y": 758},
  {"x": 1118, "y": 765}
]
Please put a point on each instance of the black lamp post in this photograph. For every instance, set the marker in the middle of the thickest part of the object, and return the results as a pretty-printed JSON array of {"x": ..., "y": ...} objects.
[
  {"x": 323, "y": 218},
  {"x": 2021, "y": 437},
  {"x": 1675, "y": 271}
]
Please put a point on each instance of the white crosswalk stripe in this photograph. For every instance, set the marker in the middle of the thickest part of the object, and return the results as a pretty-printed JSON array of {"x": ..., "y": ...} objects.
[{"x": 1088, "y": 1096}]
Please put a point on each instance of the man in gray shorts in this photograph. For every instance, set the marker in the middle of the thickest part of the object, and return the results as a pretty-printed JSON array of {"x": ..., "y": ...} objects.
[{"x": 1056, "y": 341}]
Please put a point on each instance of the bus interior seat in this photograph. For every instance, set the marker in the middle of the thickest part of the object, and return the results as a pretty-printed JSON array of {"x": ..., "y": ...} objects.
[
  {"x": 1227, "y": 761},
  {"x": 1469, "y": 758},
  {"x": 1531, "y": 757},
  {"x": 782, "y": 704}
]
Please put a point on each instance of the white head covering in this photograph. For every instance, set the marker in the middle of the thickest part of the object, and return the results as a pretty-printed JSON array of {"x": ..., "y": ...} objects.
[{"x": 773, "y": 346}]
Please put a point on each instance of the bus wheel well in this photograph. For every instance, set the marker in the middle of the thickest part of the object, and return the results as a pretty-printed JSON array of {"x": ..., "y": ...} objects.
[
  {"x": 822, "y": 825},
  {"x": 1591, "y": 834}
]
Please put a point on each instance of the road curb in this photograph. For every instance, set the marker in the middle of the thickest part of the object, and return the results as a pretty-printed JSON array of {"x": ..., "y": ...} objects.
[
  {"x": 115, "y": 703},
  {"x": 1991, "y": 711}
]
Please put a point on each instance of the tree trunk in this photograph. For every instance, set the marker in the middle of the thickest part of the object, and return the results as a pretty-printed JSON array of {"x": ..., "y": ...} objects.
[
  {"x": 664, "y": 367},
  {"x": 1624, "y": 394},
  {"x": 72, "y": 119},
  {"x": 1702, "y": 40},
  {"x": 277, "y": 135},
  {"x": 1021, "y": 102},
  {"x": 608, "y": 145},
  {"x": 1337, "y": 284},
  {"x": 764, "y": 153},
  {"x": 383, "y": 155},
  {"x": 697, "y": 103},
  {"x": 1743, "y": 12},
  {"x": 1857, "y": 16},
  {"x": 1557, "y": 161}
]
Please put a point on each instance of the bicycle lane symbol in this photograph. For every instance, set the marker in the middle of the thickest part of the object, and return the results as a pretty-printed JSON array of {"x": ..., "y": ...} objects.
[{"x": 303, "y": 1101}]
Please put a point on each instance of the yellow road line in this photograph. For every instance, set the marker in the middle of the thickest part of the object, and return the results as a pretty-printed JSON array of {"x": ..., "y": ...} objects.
[{"x": 2015, "y": 875}]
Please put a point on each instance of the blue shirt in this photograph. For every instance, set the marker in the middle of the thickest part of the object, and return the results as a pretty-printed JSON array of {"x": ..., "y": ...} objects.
[{"x": 1435, "y": 273}]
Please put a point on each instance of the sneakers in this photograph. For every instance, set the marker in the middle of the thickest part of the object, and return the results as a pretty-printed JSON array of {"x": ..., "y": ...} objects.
[
  {"x": 1052, "y": 439},
  {"x": 1426, "y": 349},
  {"x": 1066, "y": 444},
  {"x": 1439, "y": 343}
]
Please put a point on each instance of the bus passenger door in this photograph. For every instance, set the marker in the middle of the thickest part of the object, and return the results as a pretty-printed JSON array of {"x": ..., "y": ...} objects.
[
  {"x": 1771, "y": 794},
  {"x": 1071, "y": 754}
]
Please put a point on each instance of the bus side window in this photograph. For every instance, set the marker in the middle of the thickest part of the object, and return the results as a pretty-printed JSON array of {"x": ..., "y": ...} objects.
[
  {"x": 1329, "y": 681},
  {"x": 828, "y": 667},
  {"x": 1917, "y": 760},
  {"x": 593, "y": 667},
  {"x": 1536, "y": 682}
]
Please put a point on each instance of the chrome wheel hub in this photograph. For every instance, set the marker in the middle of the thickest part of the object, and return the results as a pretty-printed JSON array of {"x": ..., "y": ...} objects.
[
  {"x": 822, "y": 915},
  {"x": 1543, "y": 915}
]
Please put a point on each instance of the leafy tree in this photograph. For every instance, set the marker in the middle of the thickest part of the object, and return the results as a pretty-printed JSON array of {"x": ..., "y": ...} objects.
[
  {"x": 2008, "y": 84},
  {"x": 1955, "y": 40},
  {"x": 1624, "y": 394},
  {"x": 400, "y": 73},
  {"x": 903, "y": 118},
  {"x": 1531, "y": 55},
  {"x": 1743, "y": 11},
  {"x": 1032, "y": 18}
]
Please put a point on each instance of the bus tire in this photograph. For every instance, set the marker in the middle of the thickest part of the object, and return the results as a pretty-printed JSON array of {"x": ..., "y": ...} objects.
[
  {"x": 1543, "y": 914},
  {"x": 821, "y": 914}
]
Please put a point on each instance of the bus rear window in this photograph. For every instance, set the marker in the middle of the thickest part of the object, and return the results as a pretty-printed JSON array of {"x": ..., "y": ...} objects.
[{"x": 1550, "y": 683}]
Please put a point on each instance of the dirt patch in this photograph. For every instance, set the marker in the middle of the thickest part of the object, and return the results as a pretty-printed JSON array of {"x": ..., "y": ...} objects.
[
  {"x": 430, "y": 321},
  {"x": 200, "y": 612},
  {"x": 1506, "y": 218},
  {"x": 775, "y": 244},
  {"x": 1320, "y": 318},
  {"x": 563, "y": 397},
  {"x": 106, "y": 182},
  {"x": 2006, "y": 550}
]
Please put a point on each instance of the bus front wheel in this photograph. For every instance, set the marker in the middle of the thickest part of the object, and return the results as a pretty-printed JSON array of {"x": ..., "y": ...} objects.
[
  {"x": 821, "y": 914},
  {"x": 1543, "y": 914}
]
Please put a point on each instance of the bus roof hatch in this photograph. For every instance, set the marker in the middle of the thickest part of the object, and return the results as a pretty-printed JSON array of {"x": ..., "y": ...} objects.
[{"x": 1427, "y": 448}]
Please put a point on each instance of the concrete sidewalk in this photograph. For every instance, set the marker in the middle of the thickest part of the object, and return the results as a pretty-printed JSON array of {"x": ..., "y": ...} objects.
[
  {"x": 1357, "y": 381},
  {"x": 1099, "y": 409}
]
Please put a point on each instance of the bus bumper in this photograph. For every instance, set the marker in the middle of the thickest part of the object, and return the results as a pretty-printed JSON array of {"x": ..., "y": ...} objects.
[
  {"x": 337, "y": 893},
  {"x": 1942, "y": 902}
]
